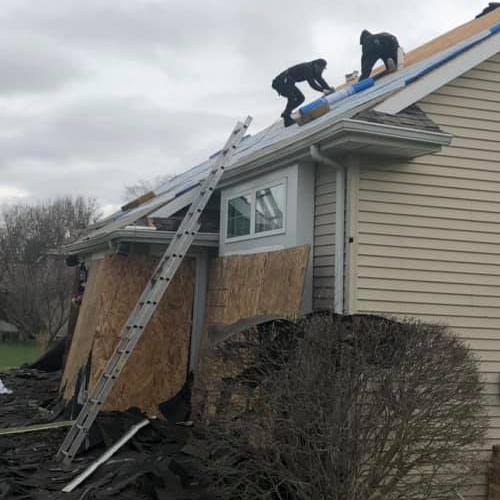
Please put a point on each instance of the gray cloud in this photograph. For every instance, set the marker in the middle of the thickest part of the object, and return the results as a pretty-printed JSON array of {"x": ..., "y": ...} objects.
[
  {"x": 34, "y": 64},
  {"x": 97, "y": 145}
]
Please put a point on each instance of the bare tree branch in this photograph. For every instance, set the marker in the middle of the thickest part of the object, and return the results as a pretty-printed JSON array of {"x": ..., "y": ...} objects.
[{"x": 38, "y": 287}]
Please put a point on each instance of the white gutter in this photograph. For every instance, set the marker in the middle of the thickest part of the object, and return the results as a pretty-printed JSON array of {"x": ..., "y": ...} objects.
[
  {"x": 135, "y": 235},
  {"x": 338, "y": 292},
  {"x": 297, "y": 147}
]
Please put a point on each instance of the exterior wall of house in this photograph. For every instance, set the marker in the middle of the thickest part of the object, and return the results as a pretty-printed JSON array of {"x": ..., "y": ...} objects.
[
  {"x": 298, "y": 220},
  {"x": 299, "y": 182},
  {"x": 428, "y": 231},
  {"x": 324, "y": 237}
]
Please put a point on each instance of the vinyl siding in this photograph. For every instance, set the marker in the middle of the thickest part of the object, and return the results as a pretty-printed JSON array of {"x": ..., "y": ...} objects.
[
  {"x": 429, "y": 231},
  {"x": 324, "y": 238}
]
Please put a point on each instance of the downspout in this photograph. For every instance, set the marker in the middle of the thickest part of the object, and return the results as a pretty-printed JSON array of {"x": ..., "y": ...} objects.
[{"x": 339, "y": 225}]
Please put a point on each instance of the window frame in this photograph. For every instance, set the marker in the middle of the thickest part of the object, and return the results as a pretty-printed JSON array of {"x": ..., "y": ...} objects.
[{"x": 252, "y": 193}]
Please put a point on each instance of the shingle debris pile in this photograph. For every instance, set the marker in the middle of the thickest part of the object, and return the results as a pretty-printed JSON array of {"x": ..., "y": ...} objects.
[{"x": 161, "y": 462}]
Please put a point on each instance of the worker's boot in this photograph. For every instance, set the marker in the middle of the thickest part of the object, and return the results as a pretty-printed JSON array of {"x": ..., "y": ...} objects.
[
  {"x": 288, "y": 120},
  {"x": 391, "y": 65}
]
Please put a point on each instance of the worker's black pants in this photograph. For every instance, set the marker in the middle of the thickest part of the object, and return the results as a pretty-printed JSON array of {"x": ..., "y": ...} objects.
[
  {"x": 295, "y": 98},
  {"x": 370, "y": 58}
]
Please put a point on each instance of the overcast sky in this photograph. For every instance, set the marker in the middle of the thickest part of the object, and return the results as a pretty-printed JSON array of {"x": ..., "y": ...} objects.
[{"x": 97, "y": 94}]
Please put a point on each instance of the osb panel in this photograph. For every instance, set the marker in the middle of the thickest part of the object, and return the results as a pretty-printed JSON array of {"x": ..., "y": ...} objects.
[
  {"x": 157, "y": 368},
  {"x": 83, "y": 336},
  {"x": 269, "y": 283},
  {"x": 244, "y": 286}
]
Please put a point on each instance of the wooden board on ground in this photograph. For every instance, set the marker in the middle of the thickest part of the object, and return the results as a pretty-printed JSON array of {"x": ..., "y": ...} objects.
[{"x": 157, "y": 369}]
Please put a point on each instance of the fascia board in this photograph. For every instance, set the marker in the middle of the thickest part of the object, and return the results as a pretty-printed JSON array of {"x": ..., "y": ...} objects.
[
  {"x": 440, "y": 76},
  {"x": 134, "y": 236},
  {"x": 395, "y": 132},
  {"x": 171, "y": 205}
]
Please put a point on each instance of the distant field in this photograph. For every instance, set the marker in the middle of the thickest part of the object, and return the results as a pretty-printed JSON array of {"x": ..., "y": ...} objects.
[{"x": 14, "y": 355}]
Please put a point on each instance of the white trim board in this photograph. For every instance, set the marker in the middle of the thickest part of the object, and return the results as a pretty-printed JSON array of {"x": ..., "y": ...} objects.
[{"x": 440, "y": 76}]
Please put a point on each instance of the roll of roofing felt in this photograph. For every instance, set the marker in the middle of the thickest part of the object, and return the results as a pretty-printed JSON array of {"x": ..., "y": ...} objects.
[
  {"x": 322, "y": 105},
  {"x": 313, "y": 105}
]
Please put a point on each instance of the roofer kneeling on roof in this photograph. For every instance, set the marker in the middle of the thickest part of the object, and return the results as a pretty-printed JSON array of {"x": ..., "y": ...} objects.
[
  {"x": 285, "y": 82},
  {"x": 380, "y": 46}
]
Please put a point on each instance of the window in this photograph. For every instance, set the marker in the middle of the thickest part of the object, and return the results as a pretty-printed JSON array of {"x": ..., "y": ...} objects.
[
  {"x": 269, "y": 207},
  {"x": 238, "y": 216},
  {"x": 256, "y": 213}
]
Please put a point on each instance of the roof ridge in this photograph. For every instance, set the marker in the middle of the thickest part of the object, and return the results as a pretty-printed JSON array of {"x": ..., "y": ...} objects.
[
  {"x": 452, "y": 37},
  {"x": 444, "y": 41}
]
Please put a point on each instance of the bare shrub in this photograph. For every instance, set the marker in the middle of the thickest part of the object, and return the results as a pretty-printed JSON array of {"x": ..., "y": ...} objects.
[{"x": 347, "y": 408}]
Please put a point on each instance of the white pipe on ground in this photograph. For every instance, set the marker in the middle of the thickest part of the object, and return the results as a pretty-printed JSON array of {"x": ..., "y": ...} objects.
[
  {"x": 105, "y": 456},
  {"x": 339, "y": 225}
]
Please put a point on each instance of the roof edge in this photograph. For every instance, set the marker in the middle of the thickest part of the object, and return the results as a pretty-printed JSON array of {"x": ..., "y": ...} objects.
[
  {"x": 442, "y": 75},
  {"x": 328, "y": 133},
  {"x": 135, "y": 235}
]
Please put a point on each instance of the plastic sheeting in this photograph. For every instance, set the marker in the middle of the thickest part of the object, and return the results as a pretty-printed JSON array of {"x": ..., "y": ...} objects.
[{"x": 3, "y": 389}]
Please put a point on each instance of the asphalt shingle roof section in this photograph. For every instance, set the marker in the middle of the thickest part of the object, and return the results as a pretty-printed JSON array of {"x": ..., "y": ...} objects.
[{"x": 411, "y": 117}]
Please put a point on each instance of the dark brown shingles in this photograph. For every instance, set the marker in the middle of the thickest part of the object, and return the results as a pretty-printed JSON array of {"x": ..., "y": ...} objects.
[{"x": 411, "y": 117}]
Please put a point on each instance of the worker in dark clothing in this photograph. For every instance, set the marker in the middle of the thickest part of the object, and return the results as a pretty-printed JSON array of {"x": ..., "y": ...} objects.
[
  {"x": 491, "y": 7},
  {"x": 284, "y": 84},
  {"x": 380, "y": 46}
]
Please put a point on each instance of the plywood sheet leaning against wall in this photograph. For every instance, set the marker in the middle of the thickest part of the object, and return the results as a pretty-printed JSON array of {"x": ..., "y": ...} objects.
[
  {"x": 157, "y": 368},
  {"x": 239, "y": 287}
]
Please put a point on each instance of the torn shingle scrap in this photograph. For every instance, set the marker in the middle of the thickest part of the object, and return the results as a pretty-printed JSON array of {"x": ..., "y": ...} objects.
[{"x": 411, "y": 117}]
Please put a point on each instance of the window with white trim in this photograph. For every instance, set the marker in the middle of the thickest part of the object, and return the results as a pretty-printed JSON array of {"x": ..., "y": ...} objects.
[
  {"x": 239, "y": 213},
  {"x": 259, "y": 212}
]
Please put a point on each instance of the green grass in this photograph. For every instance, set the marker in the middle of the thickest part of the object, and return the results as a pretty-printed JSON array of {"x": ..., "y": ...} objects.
[{"x": 14, "y": 355}]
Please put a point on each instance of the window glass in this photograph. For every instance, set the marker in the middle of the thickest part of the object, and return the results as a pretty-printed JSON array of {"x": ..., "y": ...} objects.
[
  {"x": 269, "y": 208},
  {"x": 238, "y": 216}
]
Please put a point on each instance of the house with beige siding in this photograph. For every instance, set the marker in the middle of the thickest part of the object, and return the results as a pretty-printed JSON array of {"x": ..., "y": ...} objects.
[{"x": 388, "y": 204}]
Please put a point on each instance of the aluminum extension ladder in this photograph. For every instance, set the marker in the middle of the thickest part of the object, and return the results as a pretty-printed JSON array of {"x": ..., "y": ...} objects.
[{"x": 150, "y": 298}]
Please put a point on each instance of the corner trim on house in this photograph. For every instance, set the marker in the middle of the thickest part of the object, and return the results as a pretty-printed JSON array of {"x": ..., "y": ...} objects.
[
  {"x": 199, "y": 303},
  {"x": 338, "y": 292},
  {"x": 351, "y": 248}
]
